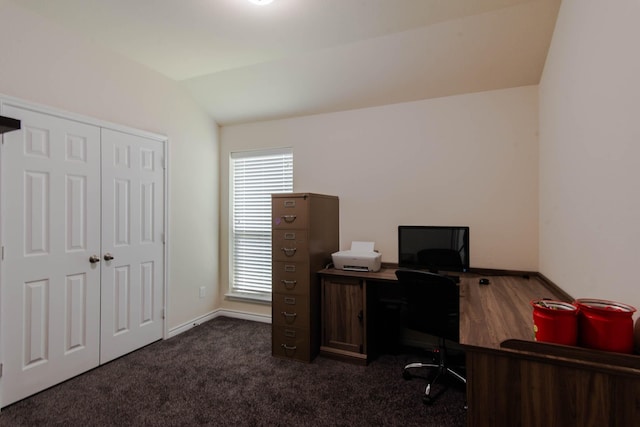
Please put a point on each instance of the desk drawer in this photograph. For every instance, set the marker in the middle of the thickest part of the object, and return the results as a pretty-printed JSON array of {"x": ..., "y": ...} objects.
[
  {"x": 290, "y": 278},
  {"x": 290, "y": 310},
  {"x": 290, "y": 212},
  {"x": 290, "y": 343},
  {"x": 290, "y": 245}
]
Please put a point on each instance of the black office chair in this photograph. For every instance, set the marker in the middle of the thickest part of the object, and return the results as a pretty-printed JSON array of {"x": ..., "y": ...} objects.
[{"x": 433, "y": 303}]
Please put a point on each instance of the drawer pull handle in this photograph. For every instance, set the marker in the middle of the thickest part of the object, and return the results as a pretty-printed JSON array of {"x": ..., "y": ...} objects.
[
  {"x": 289, "y": 317},
  {"x": 289, "y": 284},
  {"x": 288, "y": 348},
  {"x": 289, "y": 218},
  {"x": 289, "y": 251},
  {"x": 290, "y": 300}
]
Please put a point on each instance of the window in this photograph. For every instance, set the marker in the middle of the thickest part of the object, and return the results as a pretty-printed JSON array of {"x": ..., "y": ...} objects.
[{"x": 254, "y": 177}]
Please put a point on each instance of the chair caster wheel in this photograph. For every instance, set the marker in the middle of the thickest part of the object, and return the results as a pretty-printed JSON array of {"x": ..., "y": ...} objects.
[
  {"x": 406, "y": 375},
  {"x": 427, "y": 395}
]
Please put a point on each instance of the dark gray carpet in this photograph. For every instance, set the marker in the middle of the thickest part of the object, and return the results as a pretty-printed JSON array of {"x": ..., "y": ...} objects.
[{"x": 221, "y": 373}]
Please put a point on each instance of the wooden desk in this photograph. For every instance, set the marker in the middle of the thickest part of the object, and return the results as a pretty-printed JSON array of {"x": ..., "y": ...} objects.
[
  {"x": 489, "y": 314},
  {"x": 511, "y": 379}
]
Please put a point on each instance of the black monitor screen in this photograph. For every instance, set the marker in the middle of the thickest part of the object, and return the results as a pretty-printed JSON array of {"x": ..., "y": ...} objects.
[{"x": 433, "y": 248}]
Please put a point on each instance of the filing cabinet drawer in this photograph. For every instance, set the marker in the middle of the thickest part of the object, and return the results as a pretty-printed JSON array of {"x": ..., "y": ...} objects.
[
  {"x": 290, "y": 310},
  {"x": 290, "y": 245},
  {"x": 290, "y": 212},
  {"x": 290, "y": 342},
  {"x": 290, "y": 278}
]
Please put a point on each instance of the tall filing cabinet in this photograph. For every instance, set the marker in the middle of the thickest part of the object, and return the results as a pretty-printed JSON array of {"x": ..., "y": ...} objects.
[{"x": 305, "y": 234}]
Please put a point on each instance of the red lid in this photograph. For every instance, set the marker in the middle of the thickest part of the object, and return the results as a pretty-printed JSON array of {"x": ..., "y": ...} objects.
[
  {"x": 552, "y": 305},
  {"x": 602, "y": 305}
]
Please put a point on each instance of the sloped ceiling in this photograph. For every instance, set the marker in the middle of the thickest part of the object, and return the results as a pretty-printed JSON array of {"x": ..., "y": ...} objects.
[{"x": 245, "y": 63}]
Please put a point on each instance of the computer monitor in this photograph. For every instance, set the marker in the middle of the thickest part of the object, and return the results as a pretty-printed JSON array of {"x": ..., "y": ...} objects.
[{"x": 433, "y": 248}]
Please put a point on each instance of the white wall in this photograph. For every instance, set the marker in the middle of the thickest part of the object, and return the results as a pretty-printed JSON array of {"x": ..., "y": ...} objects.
[
  {"x": 44, "y": 64},
  {"x": 462, "y": 160},
  {"x": 590, "y": 151}
]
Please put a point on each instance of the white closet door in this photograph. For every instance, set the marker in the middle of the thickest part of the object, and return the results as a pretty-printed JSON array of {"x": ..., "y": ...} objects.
[
  {"x": 51, "y": 227},
  {"x": 132, "y": 233}
]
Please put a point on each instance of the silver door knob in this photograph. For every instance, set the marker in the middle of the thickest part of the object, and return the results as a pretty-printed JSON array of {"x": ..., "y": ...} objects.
[
  {"x": 108, "y": 257},
  {"x": 93, "y": 259}
]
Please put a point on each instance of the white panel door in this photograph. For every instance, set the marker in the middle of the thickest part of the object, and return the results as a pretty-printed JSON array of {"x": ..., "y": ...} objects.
[
  {"x": 51, "y": 228},
  {"x": 132, "y": 243}
]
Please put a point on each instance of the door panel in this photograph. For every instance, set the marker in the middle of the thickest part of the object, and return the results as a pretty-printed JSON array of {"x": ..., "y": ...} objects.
[
  {"x": 343, "y": 314},
  {"x": 51, "y": 226},
  {"x": 132, "y": 232}
]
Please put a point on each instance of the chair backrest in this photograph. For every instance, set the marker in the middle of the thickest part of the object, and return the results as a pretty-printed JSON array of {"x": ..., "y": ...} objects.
[{"x": 433, "y": 303}]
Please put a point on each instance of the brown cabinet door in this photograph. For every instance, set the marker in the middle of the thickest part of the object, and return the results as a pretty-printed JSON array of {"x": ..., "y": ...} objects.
[{"x": 343, "y": 314}]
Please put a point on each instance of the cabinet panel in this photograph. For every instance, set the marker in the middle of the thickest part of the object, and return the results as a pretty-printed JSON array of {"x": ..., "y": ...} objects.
[
  {"x": 290, "y": 245},
  {"x": 343, "y": 314},
  {"x": 290, "y": 310},
  {"x": 572, "y": 390},
  {"x": 291, "y": 278},
  {"x": 290, "y": 342},
  {"x": 290, "y": 212}
]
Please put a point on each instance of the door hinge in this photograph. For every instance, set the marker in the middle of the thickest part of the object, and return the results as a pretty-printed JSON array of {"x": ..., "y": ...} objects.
[
  {"x": 3, "y": 253},
  {"x": 162, "y": 237},
  {"x": 163, "y": 313},
  {"x": 1, "y": 366}
]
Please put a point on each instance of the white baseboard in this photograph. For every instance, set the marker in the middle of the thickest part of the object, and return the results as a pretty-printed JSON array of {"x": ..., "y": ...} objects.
[
  {"x": 218, "y": 313},
  {"x": 262, "y": 318}
]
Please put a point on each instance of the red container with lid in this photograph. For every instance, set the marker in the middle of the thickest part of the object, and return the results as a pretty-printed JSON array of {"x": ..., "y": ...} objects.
[
  {"x": 555, "y": 321},
  {"x": 605, "y": 325}
]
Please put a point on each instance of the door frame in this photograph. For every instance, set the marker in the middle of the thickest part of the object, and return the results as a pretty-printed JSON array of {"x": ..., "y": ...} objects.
[{"x": 39, "y": 108}]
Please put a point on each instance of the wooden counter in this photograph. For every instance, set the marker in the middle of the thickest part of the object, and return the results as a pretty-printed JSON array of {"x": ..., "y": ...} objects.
[
  {"x": 491, "y": 314},
  {"x": 511, "y": 378}
]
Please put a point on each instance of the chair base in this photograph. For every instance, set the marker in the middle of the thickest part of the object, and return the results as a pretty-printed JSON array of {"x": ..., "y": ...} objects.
[{"x": 443, "y": 370}]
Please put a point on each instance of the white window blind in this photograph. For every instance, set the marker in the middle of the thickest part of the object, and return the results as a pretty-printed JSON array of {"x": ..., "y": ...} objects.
[{"x": 255, "y": 176}]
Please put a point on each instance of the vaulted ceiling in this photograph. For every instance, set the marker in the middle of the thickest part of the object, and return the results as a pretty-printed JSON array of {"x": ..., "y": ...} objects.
[{"x": 244, "y": 62}]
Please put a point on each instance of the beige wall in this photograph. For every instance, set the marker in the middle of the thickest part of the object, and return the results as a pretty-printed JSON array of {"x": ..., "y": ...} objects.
[
  {"x": 462, "y": 160},
  {"x": 44, "y": 64},
  {"x": 590, "y": 151}
]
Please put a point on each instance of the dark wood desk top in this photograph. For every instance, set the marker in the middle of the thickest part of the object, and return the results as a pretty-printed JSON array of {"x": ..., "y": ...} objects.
[
  {"x": 489, "y": 314},
  {"x": 385, "y": 274}
]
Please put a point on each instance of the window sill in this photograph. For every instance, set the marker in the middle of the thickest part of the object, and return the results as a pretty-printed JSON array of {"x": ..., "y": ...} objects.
[{"x": 251, "y": 298}]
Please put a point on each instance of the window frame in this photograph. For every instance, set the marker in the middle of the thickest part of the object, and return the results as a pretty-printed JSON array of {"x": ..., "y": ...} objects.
[{"x": 243, "y": 291}]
